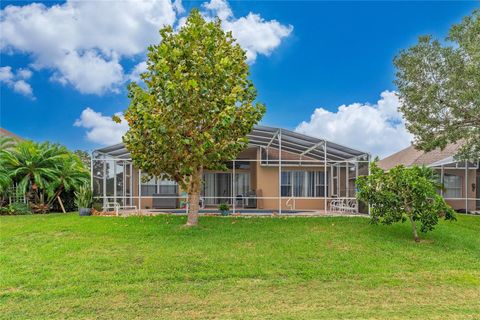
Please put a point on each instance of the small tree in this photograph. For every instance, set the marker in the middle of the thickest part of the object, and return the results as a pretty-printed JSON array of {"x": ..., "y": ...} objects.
[
  {"x": 197, "y": 107},
  {"x": 404, "y": 193},
  {"x": 439, "y": 86}
]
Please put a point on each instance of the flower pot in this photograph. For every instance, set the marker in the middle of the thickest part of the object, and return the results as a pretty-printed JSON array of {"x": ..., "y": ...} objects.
[
  {"x": 224, "y": 212},
  {"x": 84, "y": 211}
]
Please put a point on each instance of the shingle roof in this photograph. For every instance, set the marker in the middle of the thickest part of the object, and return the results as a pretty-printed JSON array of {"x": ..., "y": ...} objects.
[
  {"x": 411, "y": 156},
  {"x": 5, "y": 132}
]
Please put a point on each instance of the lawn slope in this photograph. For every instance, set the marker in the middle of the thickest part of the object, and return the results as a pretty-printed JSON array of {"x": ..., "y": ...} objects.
[{"x": 66, "y": 266}]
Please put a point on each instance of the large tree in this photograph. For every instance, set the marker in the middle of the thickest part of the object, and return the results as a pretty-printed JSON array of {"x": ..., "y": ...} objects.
[
  {"x": 196, "y": 109},
  {"x": 439, "y": 86},
  {"x": 404, "y": 194}
]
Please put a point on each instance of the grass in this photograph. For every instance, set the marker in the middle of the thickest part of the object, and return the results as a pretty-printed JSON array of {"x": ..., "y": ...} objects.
[{"x": 70, "y": 267}]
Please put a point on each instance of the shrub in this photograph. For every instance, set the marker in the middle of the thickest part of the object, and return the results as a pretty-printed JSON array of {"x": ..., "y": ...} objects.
[
  {"x": 83, "y": 197},
  {"x": 15, "y": 208},
  {"x": 403, "y": 194},
  {"x": 97, "y": 204},
  {"x": 224, "y": 208}
]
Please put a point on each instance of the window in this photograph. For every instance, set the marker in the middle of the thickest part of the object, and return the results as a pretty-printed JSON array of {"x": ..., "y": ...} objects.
[
  {"x": 167, "y": 187},
  {"x": 299, "y": 183},
  {"x": 149, "y": 187},
  {"x": 320, "y": 184},
  {"x": 453, "y": 186},
  {"x": 303, "y": 184},
  {"x": 158, "y": 186},
  {"x": 286, "y": 184}
]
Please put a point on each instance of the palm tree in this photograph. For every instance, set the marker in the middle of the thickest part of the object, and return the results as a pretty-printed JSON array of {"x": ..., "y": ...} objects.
[
  {"x": 70, "y": 176},
  {"x": 7, "y": 143},
  {"x": 42, "y": 172},
  {"x": 33, "y": 166}
]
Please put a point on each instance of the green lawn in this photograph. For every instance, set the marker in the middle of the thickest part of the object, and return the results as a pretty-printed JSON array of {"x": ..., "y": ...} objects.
[{"x": 66, "y": 266}]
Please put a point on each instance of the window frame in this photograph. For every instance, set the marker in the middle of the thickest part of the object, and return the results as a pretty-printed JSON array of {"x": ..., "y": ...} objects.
[
  {"x": 457, "y": 190},
  {"x": 292, "y": 186}
]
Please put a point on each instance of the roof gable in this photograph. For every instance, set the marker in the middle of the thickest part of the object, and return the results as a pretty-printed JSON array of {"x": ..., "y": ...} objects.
[{"x": 411, "y": 156}]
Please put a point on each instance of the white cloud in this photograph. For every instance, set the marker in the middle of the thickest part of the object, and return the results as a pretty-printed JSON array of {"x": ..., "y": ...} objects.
[
  {"x": 253, "y": 33},
  {"x": 89, "y": 73},
  {"x": 102, "y": 129},
  {"x": 137, "y": 71},
  {"x": 6, "y": 74},
  {"x": 16, "y": 81},
  {"x": 220, "y": 8},
  {"x": 82, "y": 42},
  {"x": 24, "y": 73},
  {"x": 22, "y": 87},
  {"x": 378, "y": 129}
]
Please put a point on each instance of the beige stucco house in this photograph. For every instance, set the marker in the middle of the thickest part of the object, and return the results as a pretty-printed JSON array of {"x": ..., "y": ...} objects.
[
  {"x": 280, "y": 171},
  {"x": 461, "y": 179}
]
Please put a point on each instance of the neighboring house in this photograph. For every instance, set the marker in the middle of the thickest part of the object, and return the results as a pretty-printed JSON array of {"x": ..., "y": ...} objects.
[
  {"x": 5, "y": 132},
  {"x": 279, "y": 170},
  {"x": 461, "y": 179}
]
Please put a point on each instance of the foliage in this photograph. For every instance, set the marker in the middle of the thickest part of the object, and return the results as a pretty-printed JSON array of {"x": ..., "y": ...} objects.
[
  {"x": 236, "y": 268},
  {"x": 223, "y": 207},
  {"x": 70, "y": 174},
  {"x": 197, "y": 107},
  {"x": 42, "y": 171},
  {"x": 97, "y": 204},
  {"x": 84, "y": 156},
  {"x": 68, "y": 201},
  {"x": 7, "y": 143},
  {"x": 5, "y": 180},
  {"x": 439, "y": 87},
  {"x": 15, "y": 208},
  {"x": 83, "y": 197},
  {"x": 404, "y": 193}
]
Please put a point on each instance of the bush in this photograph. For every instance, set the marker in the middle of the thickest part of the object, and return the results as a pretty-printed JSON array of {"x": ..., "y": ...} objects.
[
  {"x": 83, "y": 197},
  {"x": 403, "y": 194},
  {"x": 97, "y": 204},
  {"x": 68, "y": 199},
  {"x": 17, "y": 208}
]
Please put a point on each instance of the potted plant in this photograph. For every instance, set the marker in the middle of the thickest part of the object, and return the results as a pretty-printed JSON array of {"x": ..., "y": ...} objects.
[
  {"x": 224, "y": 209},
  {"x": 83, "y": 200}
]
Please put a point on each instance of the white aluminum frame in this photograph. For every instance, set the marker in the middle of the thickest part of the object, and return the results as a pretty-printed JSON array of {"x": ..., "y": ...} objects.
[{"x": 311, "y": 153}]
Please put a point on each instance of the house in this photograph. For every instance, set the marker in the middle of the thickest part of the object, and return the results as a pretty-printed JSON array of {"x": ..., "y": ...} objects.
[
  {"x": 279, "y": 170},
  {"x": 461, "y": 179},
  {"x": 6, "y": 133}
]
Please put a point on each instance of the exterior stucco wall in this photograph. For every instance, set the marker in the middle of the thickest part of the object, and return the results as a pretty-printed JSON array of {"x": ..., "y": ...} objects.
[
  {"x": 264, "y": 181},
  {"x": 468, "y": 190}
]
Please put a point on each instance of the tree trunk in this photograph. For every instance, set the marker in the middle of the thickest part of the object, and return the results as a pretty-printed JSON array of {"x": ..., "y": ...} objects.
[
  {"x": 61, "y": 204},
  {"x": 194, "y": 198},
  {"x": 414, "y": 230}
]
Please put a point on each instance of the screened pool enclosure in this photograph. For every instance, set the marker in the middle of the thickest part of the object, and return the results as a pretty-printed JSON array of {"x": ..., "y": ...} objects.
[{"x": 279, "y": 171}]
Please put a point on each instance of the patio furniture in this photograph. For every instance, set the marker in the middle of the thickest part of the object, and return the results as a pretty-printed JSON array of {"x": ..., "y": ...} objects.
[
  {"x": 250, "y": 200},
  {"x": 164, "y": 202},
  {"x": 240, "y": 201},
  {"x": 344, "y": 205},
  {"x": 117, "y": 207}
]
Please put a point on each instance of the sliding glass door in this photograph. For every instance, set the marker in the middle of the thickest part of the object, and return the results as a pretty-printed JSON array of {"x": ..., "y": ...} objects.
[{"x": 218, "y": 187}]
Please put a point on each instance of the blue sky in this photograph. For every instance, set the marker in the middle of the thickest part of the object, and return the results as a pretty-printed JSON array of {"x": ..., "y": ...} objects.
[{"x": 307, "y": 59}]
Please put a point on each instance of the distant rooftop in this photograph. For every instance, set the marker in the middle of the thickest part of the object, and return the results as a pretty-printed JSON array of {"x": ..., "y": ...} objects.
[
  {"x": 5, "y": 132},
  {"x": 411, "y": 156}
]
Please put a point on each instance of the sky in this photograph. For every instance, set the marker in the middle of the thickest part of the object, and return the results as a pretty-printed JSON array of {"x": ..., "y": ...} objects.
[{"x": 322, "y": 68}]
